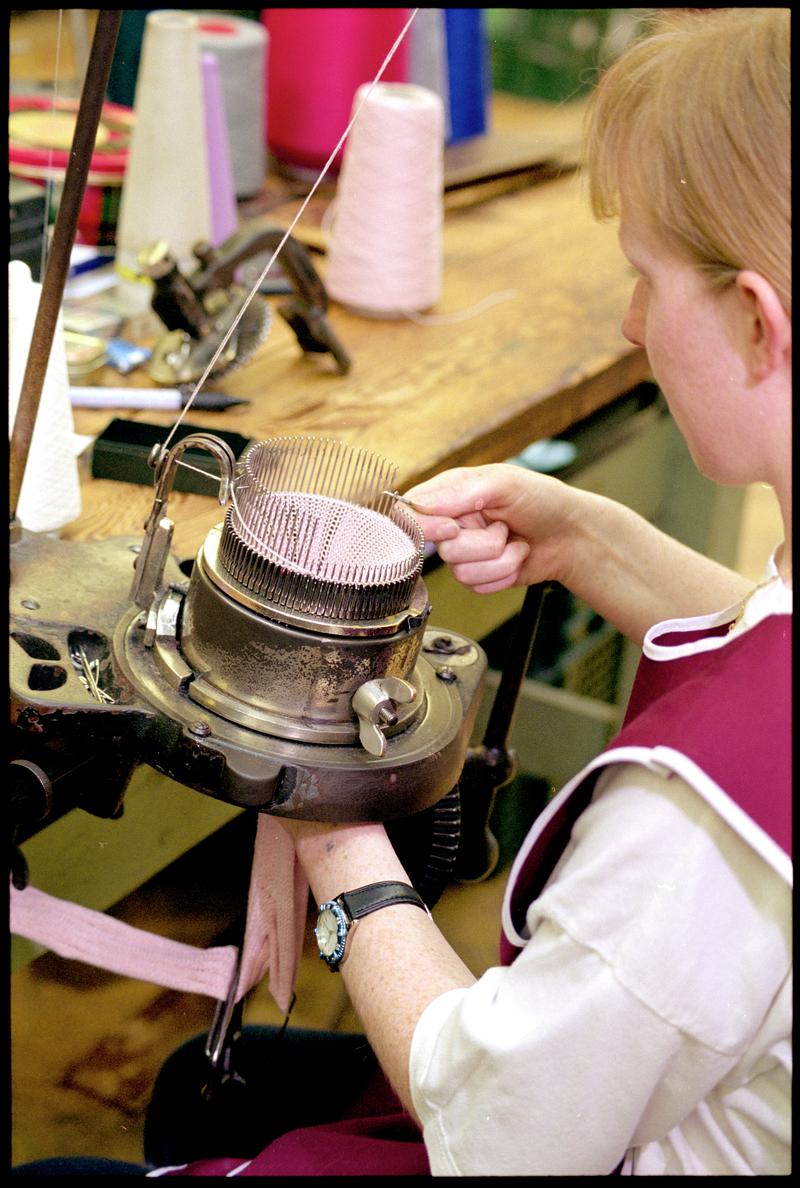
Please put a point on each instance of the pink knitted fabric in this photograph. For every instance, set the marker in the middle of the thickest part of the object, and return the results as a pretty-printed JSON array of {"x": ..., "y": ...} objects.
[{"x": 276, "y": 914}]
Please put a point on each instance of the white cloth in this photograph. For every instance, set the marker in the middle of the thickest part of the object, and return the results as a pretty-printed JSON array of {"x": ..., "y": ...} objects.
[
  {"x": 595, "y": 1040},
  {"x": 50, "y": 495}
]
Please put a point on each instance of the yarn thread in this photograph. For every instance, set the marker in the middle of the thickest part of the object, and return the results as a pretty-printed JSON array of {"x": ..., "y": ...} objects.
[
  {"x": 357, "y": 109},
  {"x": 385, "y": 253}
]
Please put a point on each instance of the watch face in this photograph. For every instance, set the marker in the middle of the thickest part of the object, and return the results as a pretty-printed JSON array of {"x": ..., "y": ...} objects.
[
  {"x": 327, "y": 932},
  {"x": 330, "y": 933}
]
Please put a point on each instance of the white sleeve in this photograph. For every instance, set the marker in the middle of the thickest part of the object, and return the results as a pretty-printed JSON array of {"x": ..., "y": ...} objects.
[{"x": 606, "y": 1030}]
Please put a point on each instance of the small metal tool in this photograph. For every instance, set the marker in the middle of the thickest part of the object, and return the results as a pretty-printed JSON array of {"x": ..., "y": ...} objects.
[
  {"x": 200, "y": 309},
  {"x": 89, "y": 675},
  {"x": 148, "y": 579},
  {"x": 398, "y": 498}
]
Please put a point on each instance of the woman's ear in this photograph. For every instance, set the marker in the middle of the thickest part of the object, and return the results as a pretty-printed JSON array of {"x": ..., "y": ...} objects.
[{"x": 769, "y": 326}]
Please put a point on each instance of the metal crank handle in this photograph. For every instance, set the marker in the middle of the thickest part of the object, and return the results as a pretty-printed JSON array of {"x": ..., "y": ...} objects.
[{"x": 375, "y": 705}]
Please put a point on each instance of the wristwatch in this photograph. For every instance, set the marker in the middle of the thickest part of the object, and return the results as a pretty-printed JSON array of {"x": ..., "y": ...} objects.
[{"x": 338, "y": 916}]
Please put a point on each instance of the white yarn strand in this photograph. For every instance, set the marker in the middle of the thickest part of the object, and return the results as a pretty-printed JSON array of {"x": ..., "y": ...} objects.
[
  {"x": 385, "y": 252},
  {"x": 463, "y": 315}
]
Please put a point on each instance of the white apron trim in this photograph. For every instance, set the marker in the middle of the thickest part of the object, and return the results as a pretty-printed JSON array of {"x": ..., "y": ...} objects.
[{"x": 663, "y": 761}]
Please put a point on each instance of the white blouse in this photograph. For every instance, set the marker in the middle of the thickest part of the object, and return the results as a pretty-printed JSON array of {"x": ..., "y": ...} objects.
[{"x": 596, "y": 1041}]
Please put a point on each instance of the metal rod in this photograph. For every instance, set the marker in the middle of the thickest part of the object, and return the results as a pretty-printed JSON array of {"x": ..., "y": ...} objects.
[
  {"x": 501, "y": 718},
  {"x": 86, "y": 125}
]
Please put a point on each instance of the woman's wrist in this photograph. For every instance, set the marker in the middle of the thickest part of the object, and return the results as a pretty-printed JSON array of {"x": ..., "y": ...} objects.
[
  {"x": 339, "y": 857},
  {"x": 582, "y": 528}
]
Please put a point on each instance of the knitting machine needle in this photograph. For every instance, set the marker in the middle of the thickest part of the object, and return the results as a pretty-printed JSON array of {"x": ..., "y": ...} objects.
[{"x": 408, "y": 502}]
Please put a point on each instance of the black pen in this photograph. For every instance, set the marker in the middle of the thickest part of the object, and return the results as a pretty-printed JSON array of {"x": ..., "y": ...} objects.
[{"x": 152, "y": 399}]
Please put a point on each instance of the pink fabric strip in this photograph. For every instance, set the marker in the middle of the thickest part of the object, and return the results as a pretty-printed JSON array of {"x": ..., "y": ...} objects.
[
  {"x": 97, "y": 939},
  {"x": 276, "y": 914}
]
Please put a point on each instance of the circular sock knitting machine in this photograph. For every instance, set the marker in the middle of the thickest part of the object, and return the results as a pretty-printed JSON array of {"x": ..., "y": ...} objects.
[{"x": 291, "y": 672}]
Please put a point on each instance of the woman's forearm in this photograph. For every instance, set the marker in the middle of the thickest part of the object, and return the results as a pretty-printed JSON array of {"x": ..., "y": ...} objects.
[
  {"x": 634, "y": 575},
  {"x": 397, "y": 960},
  {"x": 499, "y": 525}
]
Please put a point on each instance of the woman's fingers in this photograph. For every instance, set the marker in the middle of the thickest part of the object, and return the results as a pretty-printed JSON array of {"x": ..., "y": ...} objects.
[
  {"x": 481, "y": 557},
  {"x": 493, "y": 573},
  {"x": 437, "y": 528},
  {"x": 463, "y": 491},
  {"x": 475, "y": 544}
]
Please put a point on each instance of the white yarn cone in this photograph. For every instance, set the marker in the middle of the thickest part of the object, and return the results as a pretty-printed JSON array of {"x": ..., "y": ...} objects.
[
  {"x": 50, "y": 496},
  {"x": 165, "y": 194},
  {"x": 385, "y": 254}
]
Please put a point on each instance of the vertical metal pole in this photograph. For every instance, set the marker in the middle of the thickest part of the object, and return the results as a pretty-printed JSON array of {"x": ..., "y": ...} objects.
[
  {"x": 497, "y": 735},
  {"x": 493, "y": 764},
  {"x": 88, "y": 120}
]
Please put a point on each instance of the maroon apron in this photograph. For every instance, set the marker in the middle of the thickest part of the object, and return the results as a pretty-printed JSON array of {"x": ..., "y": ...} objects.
[{"x": 729, "y": 711}]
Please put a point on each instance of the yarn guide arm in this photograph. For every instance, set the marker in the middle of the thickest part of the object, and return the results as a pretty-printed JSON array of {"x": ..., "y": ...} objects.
[{"x": 148, "y": 579}]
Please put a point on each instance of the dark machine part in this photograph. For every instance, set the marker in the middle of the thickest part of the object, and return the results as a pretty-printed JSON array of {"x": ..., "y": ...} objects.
[
  {"x": 306, "y": 309},
  {"x": 210, "y": 306},
  {"x": 84, "y": 684},
  {"x": 492, "y": 766}
]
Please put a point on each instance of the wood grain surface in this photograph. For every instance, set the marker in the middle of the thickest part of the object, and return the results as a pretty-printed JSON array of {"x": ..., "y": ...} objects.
[{"x": 524, "y": 341}]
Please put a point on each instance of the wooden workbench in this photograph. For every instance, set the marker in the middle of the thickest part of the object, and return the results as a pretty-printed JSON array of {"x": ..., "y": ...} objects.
[{"x": 431, "y": 396}]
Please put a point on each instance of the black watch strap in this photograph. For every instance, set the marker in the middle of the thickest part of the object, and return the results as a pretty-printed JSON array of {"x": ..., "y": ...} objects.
[{"x": 368, "y": 899}]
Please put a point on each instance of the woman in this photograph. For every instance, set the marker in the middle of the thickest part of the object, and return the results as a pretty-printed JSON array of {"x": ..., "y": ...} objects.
[
  {"x": 646, "y": 1016},
  {"x": 641, "y": 1020}
]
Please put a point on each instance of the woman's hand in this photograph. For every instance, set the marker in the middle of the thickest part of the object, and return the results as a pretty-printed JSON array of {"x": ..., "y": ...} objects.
[
  {"x": 501, "y": 525},
  {"x": 498, "y": 525}
]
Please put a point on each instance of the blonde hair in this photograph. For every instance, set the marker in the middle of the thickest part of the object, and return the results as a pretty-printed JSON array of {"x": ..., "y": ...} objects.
[{"x": 692, "y": 124}]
